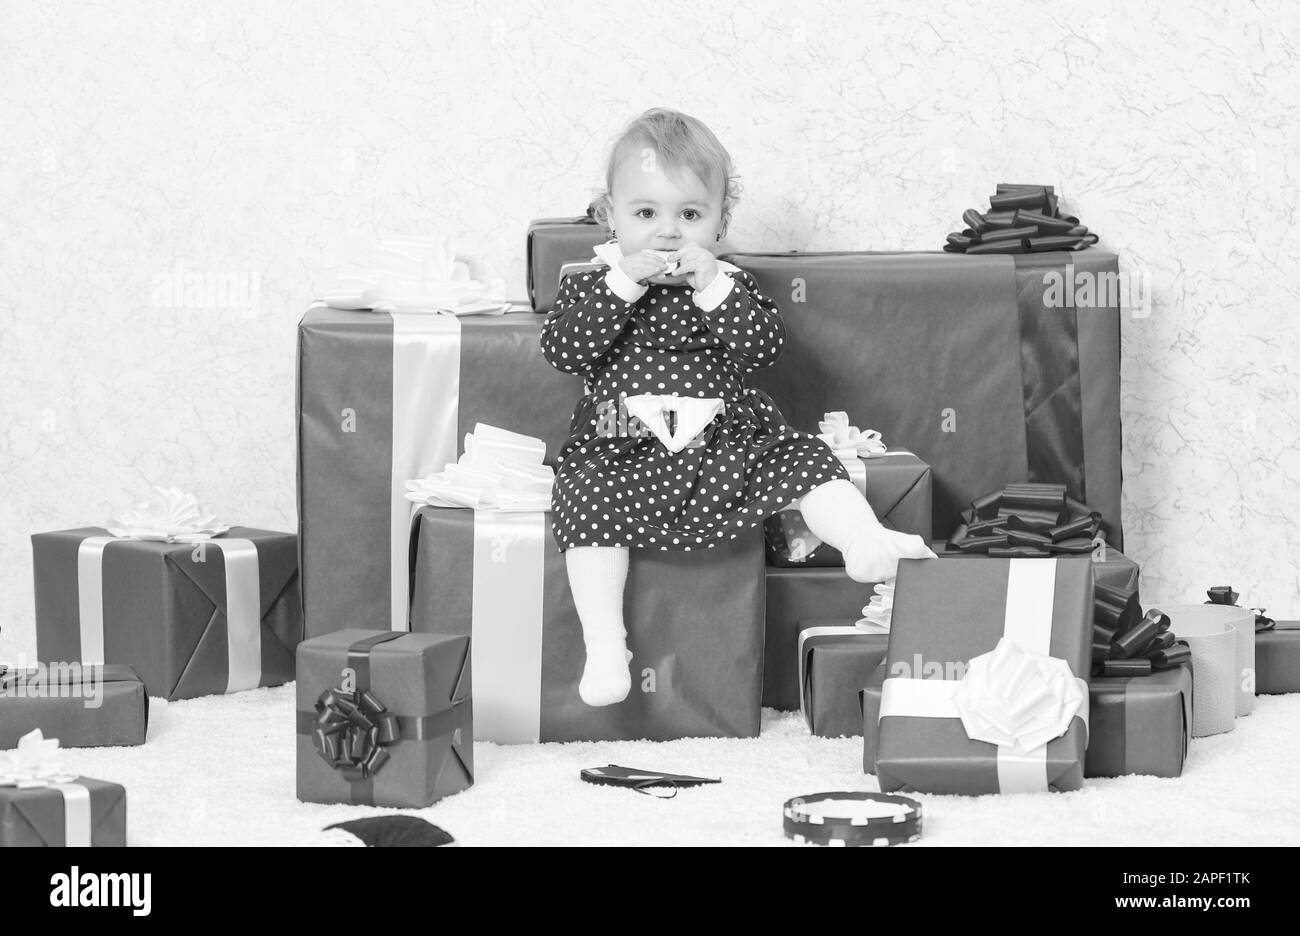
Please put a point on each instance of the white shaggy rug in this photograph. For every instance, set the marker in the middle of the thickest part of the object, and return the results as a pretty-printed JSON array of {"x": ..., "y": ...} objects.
[{"x": 220, "y": 771}]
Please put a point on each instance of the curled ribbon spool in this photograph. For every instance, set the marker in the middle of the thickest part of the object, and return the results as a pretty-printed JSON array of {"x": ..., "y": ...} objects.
[
  {"x": 1022, "y": 219},
  {"x": 351, "y": 733}
]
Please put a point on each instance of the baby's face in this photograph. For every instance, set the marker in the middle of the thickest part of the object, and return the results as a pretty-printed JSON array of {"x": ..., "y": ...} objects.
[{"x": 652, "y": 212}]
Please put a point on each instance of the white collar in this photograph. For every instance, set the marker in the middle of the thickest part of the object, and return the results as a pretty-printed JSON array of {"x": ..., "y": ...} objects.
[{"x": 611, "y": 252}]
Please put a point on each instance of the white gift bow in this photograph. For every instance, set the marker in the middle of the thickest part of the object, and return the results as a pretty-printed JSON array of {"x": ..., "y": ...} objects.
[
  {"x": 879, "y": 610},
  {"x": 416, "y": 275},
  {"x": 499, "y": 469},
  {"x": 170, "y": 516},
  {"x": 847, "y": 440},
  {"x": 36, "y": 762},
  {"x": 1015, "y": 698}
]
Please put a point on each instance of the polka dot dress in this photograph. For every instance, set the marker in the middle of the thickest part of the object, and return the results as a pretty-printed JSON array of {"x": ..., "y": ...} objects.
[{"x": 617, "y": 489}]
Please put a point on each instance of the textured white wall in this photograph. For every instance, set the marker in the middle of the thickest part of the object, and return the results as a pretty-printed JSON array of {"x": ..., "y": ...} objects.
[{"x": 269, "y": 142}]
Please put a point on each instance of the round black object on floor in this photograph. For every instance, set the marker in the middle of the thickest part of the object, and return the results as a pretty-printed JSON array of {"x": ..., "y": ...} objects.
[{"x": 395, "y": 832}]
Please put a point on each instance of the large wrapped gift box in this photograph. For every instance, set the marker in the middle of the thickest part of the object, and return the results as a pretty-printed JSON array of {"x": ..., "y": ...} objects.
[
  {"x": 79, "y": 812},
  {"x": 191, "y": 619},
  {"x": 793, "y": 595},
  {"x": 1136, "y": 725},
  {"x": 988, "y": 373},
  {"x": 384, "y": 398},
  {"x": 694, "y": 620},
  {"x": 552, "y": 243},
  {"x": 82, "y": 706},
  {"x": 1003, "y": 645},
  {"x": 384, "y": 718},
  {"x": 1277, "y": 658},
  {"x": 837, "y": 658},
  {"x": 896, "y": 485}
]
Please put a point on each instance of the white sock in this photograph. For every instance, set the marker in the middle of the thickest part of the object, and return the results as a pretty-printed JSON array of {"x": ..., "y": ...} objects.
[
  {"x": 837, "y": 513},
  {"x": 597, "y": 575}
]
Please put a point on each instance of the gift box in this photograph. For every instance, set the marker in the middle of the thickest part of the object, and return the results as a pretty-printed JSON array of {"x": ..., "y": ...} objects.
[
  {"x": 1139, "y": 724},
  {"x": 384, "y": 718},
  {"x": 82, "y": 706},
  {"x": 191, "y": 619},
  {"x": 386, "y": 397},
  {"x": 794, "y": 595},
  {"x": 552, "y": 243},
  {"x": 1136, "y": 725},
  {"x": 896, "y": 485},
  {"x": 1277, "y": 658},
  {"x": 694, "y": 622},
  {"x": 985, "y": 689},
  {"x": 77, "y": 813},
  {"x": 1021, "y": 380},
  {"x": 837, "y": 658}
]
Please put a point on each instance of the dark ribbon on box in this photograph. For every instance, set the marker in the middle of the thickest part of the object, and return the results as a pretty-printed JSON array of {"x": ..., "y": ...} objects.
[
  {"x": 1224, "y": 595},
  {"x": 1134, "y": 649},
  {"x": 1027, "y": 520},
  {"x": 1021, "y": 219}
]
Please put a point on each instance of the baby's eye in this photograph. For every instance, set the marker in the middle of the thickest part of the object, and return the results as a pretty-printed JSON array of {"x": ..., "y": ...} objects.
[
  {"x": 646, "y": 213},
  {"x": 695, "y": 215}
]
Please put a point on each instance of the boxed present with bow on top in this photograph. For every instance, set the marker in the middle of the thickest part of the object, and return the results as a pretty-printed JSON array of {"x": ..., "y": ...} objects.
[
  {"x": 193, "y": 607},
  {"x": 985, "y": 688},
  {"x": 895, "y": 482},
  {"x": 44, "y": 804}
]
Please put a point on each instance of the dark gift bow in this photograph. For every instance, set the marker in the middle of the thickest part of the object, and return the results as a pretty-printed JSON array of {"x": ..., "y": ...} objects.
[
  {"x": 1022, "y": 219},
  {"x": 1025, "y": 521},
  {"x": 1224, "y": 595},
  {"x": 1133, "y": 647},
  {"x": 351, "y": 733}
]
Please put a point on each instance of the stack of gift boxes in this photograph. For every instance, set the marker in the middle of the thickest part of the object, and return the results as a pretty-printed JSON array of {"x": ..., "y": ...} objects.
[{"x": 414, "y": 630}]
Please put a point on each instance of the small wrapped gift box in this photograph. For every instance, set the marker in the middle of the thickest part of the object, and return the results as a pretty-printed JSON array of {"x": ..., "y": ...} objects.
[
  {"x": 985, "y": 690},
  {"x": 1139, "y": 724},
  {"x": 191, "y": 619},
  {"x": 42, "y": 803},
  {"x": 384, "y": 718},
  {"x": 694, "y": 622},
  {"x": 896, "y": 485},
  {"x": 81, "y": 705},
  {"x": 837, "y": 659},
  {"x": 552, "y": 243},
  {"x": 1277, "y": 658}
]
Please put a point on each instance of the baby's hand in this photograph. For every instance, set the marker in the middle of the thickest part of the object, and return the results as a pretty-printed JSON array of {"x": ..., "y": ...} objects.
[
  {"x": 643, "y": 265},
  {"x": 696, "y": 265}
]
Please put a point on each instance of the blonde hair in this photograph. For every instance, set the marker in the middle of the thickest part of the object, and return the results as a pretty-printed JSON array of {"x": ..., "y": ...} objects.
[{"x": 682, "y": 144}]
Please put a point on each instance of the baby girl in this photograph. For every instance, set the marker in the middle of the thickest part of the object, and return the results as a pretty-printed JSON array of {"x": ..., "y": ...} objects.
[{"x": 669, "y": 332}]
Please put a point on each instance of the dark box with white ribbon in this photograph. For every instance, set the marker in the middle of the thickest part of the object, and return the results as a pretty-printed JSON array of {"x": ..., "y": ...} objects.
[
  {"x": 896, "y": 485},
  {"x": 986, "y": 678},
  {"x": 387, "y": 397},
  {"x": 81, "y": 812},
  {"x": 384, "y": 718},
  {"x": 836, "y": 659},
  {"x": 694, "y": 620},
  {"x": 191, "y": 619}
]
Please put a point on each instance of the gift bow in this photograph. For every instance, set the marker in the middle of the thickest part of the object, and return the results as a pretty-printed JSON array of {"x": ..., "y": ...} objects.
[
  {"x": 416, "y": 274},
  {"x": 499, "y": 469},
  {"x": 1022, "y": 219},
  {"x": 1027, "y": 520},
  {"x": 352, "y": 731},
  {"x": 1124, "y": 644},
  {"x": 1014, "y": 698},
  {"x": 848, "y": 441},
  {"x": 880, "y": 609},
  {"x": 1224, "y": 595},
  {"x": 170, "y": 516},
  {"x": 36, "y": 762}
]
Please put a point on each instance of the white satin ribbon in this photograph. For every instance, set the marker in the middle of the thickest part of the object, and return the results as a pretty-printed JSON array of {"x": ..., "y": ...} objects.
[
  {"x": 426, "y": 404},
  {"x": 243, "y": 613},
  {"x": 76, "y": 814},
  {"x": 90, "y": 597},
  {"x": 506, "y": 625},
  {"x": 1031, "y": 589},
  {"x": 693, "y": 414}
]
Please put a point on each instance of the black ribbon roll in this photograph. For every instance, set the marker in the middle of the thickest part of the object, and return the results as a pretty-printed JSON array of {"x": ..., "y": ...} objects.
[
  {"x": 1022, "y": 219},
  {"x": 1027, "y": 520},
  {"x": 1224, "y": 595}
]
